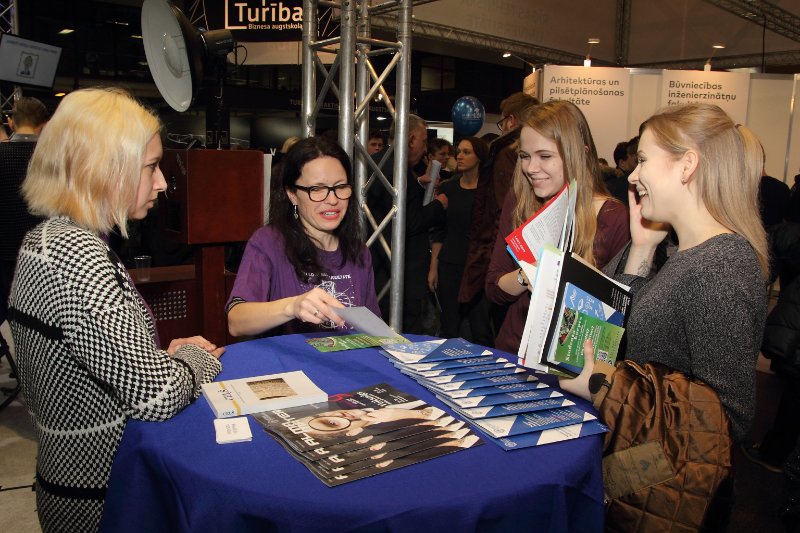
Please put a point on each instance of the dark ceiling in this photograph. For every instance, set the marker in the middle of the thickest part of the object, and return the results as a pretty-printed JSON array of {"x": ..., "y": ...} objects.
[{"x": 105, "y": 48}]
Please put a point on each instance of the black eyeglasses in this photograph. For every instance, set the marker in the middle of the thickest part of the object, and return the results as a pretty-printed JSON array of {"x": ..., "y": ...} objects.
[
  {"x": 501, "y": 122},
  {"x": 319, "y": 193}
]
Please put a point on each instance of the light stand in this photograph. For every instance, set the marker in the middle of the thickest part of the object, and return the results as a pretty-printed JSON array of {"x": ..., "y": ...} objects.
[
  {"x": 509, "y": 54},
  {"x": 591, "y": 41},
  {"x": 714, "y": 48}
]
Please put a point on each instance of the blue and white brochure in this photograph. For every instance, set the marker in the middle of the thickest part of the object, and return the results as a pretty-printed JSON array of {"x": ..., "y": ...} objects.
[
  {"x": 456, "y": 363},
  {"x": 508, "y": 426},
  {"x": 481, "y": 374},
  {"x": 509, "y": 409},
  {"x": 510, "y": 397},
  {"x": 449, "y": 349},
  {"x": 532, "y": 383},
  {"x": 549, "y": 436},
  {"x": 456, "y": 370},
  {"x": 521, "y": 377}
]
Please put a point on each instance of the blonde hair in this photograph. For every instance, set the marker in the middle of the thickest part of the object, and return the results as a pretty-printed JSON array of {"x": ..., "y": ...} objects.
[
  {"x": 729, "y": 168},
  {"x": 563, "y": 123},
  {"x": 88, "y": 160}
]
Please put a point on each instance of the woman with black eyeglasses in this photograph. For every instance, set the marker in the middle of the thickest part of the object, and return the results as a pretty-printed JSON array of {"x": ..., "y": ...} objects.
[{"x": 310, "y": 260}]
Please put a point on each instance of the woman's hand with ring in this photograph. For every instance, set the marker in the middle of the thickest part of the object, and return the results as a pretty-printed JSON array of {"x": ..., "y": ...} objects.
[{"x": 315, "y": 306}]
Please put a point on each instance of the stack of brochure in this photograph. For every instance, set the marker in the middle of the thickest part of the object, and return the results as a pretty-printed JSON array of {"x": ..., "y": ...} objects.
[
  {"x": 366, "y": 432},
  {"x": 572, "y": 301},
  {"x": 504, "y": 401}
]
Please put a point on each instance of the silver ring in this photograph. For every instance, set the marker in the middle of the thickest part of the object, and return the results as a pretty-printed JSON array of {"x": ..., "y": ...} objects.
[{"x": 316, "y": 312}]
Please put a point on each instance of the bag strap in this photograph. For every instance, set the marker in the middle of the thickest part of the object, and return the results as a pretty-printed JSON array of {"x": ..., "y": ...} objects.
[{"x": 600, "y": 382}]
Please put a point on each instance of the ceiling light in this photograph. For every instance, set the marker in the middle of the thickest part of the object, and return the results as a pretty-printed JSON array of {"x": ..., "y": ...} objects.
[
  {"x": 66, "y": 31},
  {"x": 59, "y": 95},
  {"x": 506, "y": 54},
  {"x": 136, "y": 36}
]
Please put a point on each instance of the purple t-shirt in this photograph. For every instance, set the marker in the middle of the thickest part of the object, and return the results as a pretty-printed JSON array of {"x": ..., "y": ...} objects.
[{"x": 266, "y": 274}]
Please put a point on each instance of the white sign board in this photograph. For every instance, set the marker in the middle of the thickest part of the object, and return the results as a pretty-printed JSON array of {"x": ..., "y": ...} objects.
[
  {"x": 728, "y": 90},
  {"x": 602, "y": 93}
]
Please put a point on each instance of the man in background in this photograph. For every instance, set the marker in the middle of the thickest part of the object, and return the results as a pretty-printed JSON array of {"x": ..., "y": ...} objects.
[
  {"x": 26, "y": 121},
  {"x": 375, "y": 142},
  {"x": 419, "y": 220}
]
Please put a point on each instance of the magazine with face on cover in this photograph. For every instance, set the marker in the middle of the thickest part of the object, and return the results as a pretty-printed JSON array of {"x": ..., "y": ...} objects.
[
  {"x": 340, "y": 459},
  {"x": 380, "y": 456},
  {"x": 446, "y": 446},
  {"x": 369, "y": 440},
  {"x": 346, "y": 417}
]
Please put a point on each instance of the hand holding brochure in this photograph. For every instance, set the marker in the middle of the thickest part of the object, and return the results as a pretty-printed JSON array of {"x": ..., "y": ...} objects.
[
  {"x": 552, "y": 224},
  {"x": 365, "y": 321},
  {"x": 572, "y": 301},
  {"x": 373, "y": 332}
]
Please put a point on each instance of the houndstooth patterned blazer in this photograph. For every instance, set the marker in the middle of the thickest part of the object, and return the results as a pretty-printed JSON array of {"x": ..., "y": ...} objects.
[{"x": 88, "y": 362}]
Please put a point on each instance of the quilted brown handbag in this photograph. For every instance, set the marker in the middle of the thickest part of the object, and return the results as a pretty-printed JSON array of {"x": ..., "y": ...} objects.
[{"x": 668, "y": 450}]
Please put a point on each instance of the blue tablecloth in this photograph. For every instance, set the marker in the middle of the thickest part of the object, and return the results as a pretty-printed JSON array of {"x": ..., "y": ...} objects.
[{"x": 173, "y": 476}]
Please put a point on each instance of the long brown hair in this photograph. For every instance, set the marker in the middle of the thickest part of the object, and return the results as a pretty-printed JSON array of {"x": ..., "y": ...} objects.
[
  {"x": 563, "y": 123},
  {"x": 729, "y": 170}
]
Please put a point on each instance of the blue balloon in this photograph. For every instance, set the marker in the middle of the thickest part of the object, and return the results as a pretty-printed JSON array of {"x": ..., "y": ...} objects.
[{"x": 468, "y": 115}]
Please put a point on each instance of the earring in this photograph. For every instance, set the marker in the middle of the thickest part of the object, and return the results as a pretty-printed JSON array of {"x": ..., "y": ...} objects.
[{"x": 296, "y": 213}]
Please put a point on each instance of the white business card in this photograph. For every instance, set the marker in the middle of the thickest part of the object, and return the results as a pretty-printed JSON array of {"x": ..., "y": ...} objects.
[{"x": 233, "y": 430}]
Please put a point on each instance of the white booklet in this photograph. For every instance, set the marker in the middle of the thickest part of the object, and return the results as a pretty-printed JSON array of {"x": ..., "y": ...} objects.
[{"x": 261, "y": 393}]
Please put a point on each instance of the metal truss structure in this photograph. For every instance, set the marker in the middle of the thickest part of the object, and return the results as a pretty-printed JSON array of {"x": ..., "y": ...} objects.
[
  {"x": 763, "y": 13},
  {"x": 353, "y": 79},
  {"x": 622, "y": 32},
  {"x": 789, "y": 57},
  {"x": 530, "y": 52}
]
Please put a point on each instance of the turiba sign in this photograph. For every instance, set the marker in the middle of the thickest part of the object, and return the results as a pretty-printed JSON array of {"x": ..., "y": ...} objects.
[{"x": 266, "y": 13}]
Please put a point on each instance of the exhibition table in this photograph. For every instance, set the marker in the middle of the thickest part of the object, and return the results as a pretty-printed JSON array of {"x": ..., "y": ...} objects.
[{"x": 173, "y": 476}]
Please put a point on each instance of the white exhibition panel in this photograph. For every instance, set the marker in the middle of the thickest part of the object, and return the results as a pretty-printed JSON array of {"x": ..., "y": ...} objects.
[
  {"x": 602, "y": 93},
  {"x": 769, "y": 117},
  {"x": 763, "y": 102},
  {"x": 793, "y": 152}
]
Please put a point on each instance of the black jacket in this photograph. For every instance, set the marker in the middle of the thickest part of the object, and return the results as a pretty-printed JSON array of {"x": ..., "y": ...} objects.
[{"x": 781, "y": 341}]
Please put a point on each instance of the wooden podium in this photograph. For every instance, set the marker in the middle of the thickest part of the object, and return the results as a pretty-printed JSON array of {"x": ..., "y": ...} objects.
[{"x": 213, "y": 197}]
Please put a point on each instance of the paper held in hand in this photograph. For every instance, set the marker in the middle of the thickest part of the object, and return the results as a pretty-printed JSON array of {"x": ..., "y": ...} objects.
[
  {"x": 373, "y": 332},
  {"x": 261, "y": 393},
  {"x": 553, "y": 224},
  {"x": 365, "y": 321},
  {"x": 430, "y": 188}
]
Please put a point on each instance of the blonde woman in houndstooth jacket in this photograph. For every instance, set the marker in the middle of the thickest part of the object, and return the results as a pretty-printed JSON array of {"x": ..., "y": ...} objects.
[{"x": 86, "y": 343}]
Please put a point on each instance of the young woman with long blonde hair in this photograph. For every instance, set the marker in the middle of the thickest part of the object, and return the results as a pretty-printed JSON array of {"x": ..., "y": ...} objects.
[{"x": 556, "y": 147}]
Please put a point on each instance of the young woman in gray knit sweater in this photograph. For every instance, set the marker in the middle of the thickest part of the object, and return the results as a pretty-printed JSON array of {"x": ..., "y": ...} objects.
[{"x": 703, "y": 313}]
